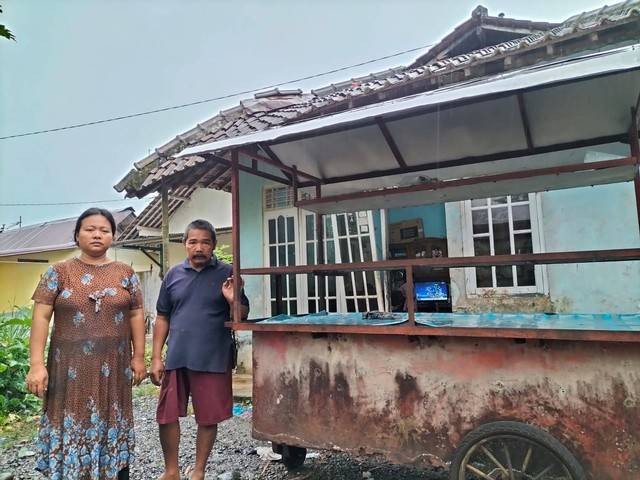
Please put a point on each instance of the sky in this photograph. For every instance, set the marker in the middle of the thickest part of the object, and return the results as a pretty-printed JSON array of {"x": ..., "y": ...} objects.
[{"x": 78, "y": 61}]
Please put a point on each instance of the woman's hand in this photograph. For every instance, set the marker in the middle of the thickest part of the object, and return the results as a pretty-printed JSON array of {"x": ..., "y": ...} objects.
[
  {"x": 139, "y": 370},
  {"x": 157, "y": 371},
  {"x": 37, "y": 380}
]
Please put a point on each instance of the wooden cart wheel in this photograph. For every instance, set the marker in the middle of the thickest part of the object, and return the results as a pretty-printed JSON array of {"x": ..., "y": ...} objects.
[
  {"x": 513, "y": 451},
  {"x": 293, "y": 457}
]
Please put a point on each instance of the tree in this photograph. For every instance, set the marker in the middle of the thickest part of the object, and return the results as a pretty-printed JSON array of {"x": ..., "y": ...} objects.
[{"x": 5, "y": 32}]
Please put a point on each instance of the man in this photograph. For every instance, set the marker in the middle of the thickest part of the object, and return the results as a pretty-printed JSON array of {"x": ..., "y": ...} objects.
[{"x": 194, "y": 302}]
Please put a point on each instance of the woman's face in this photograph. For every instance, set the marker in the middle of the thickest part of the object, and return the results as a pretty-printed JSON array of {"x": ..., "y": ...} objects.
[{"x": 95, "y": 235}]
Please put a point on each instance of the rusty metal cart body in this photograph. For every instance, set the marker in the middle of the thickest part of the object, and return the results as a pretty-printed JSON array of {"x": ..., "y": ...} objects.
[{"x": 498, "y": 396}]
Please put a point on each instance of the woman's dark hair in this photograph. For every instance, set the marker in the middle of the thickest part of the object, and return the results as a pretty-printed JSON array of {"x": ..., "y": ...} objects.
[
  {"x": 94, "y": 211},
  {"x": 200, "y": 225}
]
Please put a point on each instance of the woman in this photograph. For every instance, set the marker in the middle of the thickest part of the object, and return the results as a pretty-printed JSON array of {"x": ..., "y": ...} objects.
[{"x": 86, "y": 430}]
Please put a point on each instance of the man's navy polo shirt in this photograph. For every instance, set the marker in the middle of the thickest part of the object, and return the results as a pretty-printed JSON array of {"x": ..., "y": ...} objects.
[{"x": 196, "y": 309}]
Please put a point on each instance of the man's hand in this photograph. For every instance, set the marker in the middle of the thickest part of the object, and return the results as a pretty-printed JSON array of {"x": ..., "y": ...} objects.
[
  {"x": 227, "y": 289},
  {"x": 139, "y": 370},
  {"x": 157, "y": 371},
  {"x": 37, "y": 380}
]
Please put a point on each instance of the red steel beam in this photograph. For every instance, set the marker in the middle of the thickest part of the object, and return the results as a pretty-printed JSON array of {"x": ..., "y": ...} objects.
[
  {"x": 475, "y": 159},
  {"x": 391, "y": 143},
  {"x": 474, "y": 332},
  {"x": 276, "y": 163},
  {"x": 463, "y": 182},
  {"x": 235, "y": 232},
  {"x": 586, "y": 256}
]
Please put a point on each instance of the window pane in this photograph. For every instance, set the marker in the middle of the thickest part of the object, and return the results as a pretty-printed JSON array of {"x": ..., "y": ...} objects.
[
  {"x": 367, "y": 256},
  {"x": 520, "y": 197},
  {"x": 290, "y": 235},
  {"x": 272, "y": 231},
  {"x": 273, "y": 261},
  {"x": 311, "y": 253},
  {"x": 348, "y": 285},
  {"x": 362, "y": 305},
  {"x": 504, "y": 276},
  {"x": 272, "y": 282},
  {"x": 481, "y": 246},
  {"x": 480, "y": 221},
  {"x": 355, "y": 250},
  {"x": 526, "y": 276},
  {"x": 274, "y": 309},
  {"x": 371, "y": 283},
  {"x": 331, "y": 291},
  {"x": 374, "y": 305},
  {"x": 344, "y": 250},
  {"x": 293, "y": 307},
  {"x": 280, "y": 229},
  {"x": 342, "y": 227},
  {"x": 482, "y": 202},
  {"x": 282, "y": 255},
  {"x": 353, "y": 224},
  {"x": 310, "y": 225},
  {"x": 328, "y": 227},
  {"x": 312, "y": 306},
  {"x": 523, "y": 243},
  {"x": 311, "y": 285},
  {"x": 293, "y": 291},
  {"x": 483, "y": 277},
  {"x": 521, "y": 217},
  {"x": 498, "y": 200},
  {"x": 331, "y": 252},
  {"x": 501, "y": 237},
  {"x": 291, "y": 250},
  {"x": 359, "y": 283},
  {"x": 333, "y": 305},
  {"x": 351, "y": 305}
]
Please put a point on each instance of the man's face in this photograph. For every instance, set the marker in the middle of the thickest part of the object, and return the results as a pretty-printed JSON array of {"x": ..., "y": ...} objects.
[{"x": 199, "y": 247}]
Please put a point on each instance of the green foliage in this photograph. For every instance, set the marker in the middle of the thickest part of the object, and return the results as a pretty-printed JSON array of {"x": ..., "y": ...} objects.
[
  {"x": 5, "y": 32},
  {"x": 14, "y": 364},
  {"x": 222, "y": 253}
]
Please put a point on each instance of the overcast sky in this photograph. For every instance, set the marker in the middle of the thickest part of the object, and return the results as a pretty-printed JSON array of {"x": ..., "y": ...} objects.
[{"x": 80, "y": 60}]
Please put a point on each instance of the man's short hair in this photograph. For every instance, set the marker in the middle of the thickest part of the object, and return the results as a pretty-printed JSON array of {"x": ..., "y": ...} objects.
[{"x": 200, "y": 224}]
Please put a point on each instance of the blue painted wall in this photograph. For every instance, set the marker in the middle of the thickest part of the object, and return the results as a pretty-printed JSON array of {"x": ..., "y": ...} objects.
[{"x": 433, "y": 218}]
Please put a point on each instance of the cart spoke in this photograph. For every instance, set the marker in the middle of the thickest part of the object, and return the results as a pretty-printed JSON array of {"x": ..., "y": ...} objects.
[
  {"x": 475, "y": 471},
  {"x": 493, "y": 459},
  {"x": 527, "y": 458},
  {"x": 539, "y": 476},
  {"x": 508, "y": 456}
]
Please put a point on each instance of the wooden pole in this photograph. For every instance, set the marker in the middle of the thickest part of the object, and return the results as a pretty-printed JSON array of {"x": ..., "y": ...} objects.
[
  {"x": 322, "y": 298},
  {"x": 634, "y": 145},
  {"x": 411, "y": 305},
  {"x": 235, "y": 232},
  {"x": 164, "y": 198}
]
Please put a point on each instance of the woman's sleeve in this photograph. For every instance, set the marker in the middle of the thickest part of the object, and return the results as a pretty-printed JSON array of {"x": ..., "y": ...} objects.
[
  {"x": 135, "y": 291},
  {"x": 48, "y": 287}
]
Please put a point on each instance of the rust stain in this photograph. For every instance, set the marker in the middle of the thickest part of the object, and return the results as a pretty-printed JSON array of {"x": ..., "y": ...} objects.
[{"x": 372, "y": 394}]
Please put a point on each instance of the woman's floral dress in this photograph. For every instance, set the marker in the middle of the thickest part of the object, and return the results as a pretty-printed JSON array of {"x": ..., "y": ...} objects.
[{"x": 86, "y": 430}]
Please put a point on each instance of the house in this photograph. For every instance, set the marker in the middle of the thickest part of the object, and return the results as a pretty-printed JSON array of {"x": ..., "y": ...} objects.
[
  {"x": 482, "y": 50},
  {"x": 27, "y": 252}
]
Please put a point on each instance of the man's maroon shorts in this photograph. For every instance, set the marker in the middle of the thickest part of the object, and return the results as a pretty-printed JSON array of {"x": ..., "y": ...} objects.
[{"x": 210, "y": 394}]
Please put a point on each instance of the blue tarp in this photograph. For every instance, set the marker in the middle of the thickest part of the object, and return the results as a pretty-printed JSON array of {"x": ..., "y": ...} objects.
[{"x": 552, "y": 321}]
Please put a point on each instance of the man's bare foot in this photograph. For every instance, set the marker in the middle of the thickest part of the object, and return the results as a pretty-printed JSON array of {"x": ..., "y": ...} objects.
[
  {"x": 192, "y": 474},
  {"x": 170, "y": 476}
]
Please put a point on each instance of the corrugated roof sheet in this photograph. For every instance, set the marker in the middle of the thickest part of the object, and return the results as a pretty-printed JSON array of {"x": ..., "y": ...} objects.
[
  {"x": 285, "y": 107},
  {"x": 47, "y": 236}
]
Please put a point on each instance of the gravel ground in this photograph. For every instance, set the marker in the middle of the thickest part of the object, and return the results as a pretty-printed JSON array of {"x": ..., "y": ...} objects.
[{"x": 234, "y": 451}]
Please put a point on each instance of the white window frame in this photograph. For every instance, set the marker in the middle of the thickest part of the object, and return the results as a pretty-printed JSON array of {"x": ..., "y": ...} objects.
[{"x": 538, "y": 245}]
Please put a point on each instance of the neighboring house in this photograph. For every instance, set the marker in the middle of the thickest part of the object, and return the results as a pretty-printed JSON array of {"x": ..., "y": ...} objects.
[
  {"x": 27, "y": 252},
  {"x": 185, "y": 205},
  {"x": 273, "y": 232}
]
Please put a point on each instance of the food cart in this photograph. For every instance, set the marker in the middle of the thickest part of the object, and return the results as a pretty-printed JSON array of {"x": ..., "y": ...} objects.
[{"x": 491, "y": 395}]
